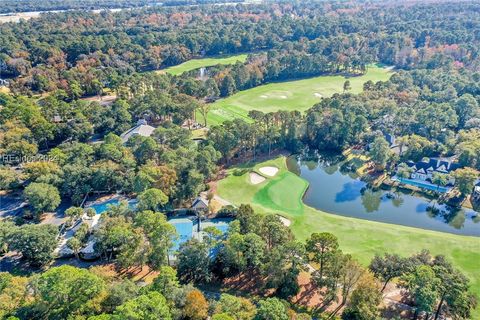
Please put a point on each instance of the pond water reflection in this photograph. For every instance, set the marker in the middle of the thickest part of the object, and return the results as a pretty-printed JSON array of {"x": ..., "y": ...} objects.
[{"x": 339, "y": 192}]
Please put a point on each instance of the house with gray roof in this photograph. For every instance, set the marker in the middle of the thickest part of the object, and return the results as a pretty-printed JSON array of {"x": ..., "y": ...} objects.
[
  {"x": 142, "y": 129},
  {"x": 200, "y": 204}
]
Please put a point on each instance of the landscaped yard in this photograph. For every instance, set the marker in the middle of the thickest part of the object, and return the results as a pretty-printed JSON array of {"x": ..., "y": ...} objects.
[
  {"x": 206, "y": 62},
  {"x": 282, "y": 194},
  {"x": 291, "y": 95}
]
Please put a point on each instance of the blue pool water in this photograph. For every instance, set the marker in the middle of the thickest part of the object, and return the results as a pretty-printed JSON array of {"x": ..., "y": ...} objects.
[
  {"x": 187, "y": 229},
  {"x": 103, "y": 206},
  {"x": 424, "y": 185},
  {"x": 184, "y": 229},
  {"x": 220, "y": 224}
]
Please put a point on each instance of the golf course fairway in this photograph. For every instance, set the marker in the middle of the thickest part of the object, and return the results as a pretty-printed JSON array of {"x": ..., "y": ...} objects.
[
  {"x": 282, "y": 194},
  {"x": 290, "y": 95},
  {"x": 206, "y": 62}
]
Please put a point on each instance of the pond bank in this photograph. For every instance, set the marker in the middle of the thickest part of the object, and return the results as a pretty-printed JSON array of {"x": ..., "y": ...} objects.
[{"x": 341, "y": 192}]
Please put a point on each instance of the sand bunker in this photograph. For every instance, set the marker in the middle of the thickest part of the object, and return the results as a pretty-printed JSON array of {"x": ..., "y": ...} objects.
[
  {"x": 269, "y": 171},
  {"x": 285, "y": 221},
  {"x": 263, "y": 96},
  {"x": 255, "y": 178},
  {"x": 283, "y": 97},
  {"x": 318, "y": 95}
]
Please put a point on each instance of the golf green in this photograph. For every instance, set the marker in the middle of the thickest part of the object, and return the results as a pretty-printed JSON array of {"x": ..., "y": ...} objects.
[
  {"x": 273, "y": 195},
  {"x": 291, "y": 95},
  {"x": 282, "y": 194},
  {"x": 206, "y": 62}
]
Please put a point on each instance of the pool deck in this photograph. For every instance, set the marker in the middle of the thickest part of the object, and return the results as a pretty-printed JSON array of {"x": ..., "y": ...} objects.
[
  {"x": 101, "y": 200},
  {"x": 422, "y": 184}
]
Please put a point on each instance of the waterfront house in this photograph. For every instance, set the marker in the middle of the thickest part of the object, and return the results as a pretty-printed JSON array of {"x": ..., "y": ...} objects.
[
  {"x": 424, "y": 170},
  {"x": 476, "y": 191}
]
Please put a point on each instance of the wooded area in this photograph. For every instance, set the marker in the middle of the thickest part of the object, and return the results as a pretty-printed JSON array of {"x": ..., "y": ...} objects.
[{"x": 57, "y": 147}]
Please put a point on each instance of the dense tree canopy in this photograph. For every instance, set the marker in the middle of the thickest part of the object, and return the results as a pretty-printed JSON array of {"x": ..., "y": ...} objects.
[{"x": 62, "y": 140}]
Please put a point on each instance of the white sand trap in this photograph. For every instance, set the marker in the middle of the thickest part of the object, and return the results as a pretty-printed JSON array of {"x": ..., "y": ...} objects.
[
  {"x": 318, "y": 95},
  {"x": 285, "y": 221},
  {"x": 263, "y": 96},
  {"x": 283, "y": 97},
  {"x": 255, "y": 178},
  {"x": 269, "y": 171}
]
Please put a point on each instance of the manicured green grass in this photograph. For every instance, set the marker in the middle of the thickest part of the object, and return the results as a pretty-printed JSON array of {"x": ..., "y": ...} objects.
[
  {"x": 362, "y": 238},
  {"x": 206, "y": 62},
  {"x": 291, "y": 95},
  {"x": 274, "y": 195}
]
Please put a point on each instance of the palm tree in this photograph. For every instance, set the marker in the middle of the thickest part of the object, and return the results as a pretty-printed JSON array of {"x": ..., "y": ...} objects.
[
  {"x": 404, "y": 171},
  {"x": 401, "y": 142},
  {"x": 439, "y": 179},
  {"x": 204, "y": 110}
]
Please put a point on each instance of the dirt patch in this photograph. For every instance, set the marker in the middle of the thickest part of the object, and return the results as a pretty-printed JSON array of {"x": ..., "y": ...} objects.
[
  {"x": 255, "y": 178},
  {"x": 103, "y": 100},
  {"x": 310, "y": 296},
  {"x": 218, "y": 203},
  {"x": 252, "y": 283},
  {"x": 18, "y": 16},
  {"x": 269, "y": 171}
]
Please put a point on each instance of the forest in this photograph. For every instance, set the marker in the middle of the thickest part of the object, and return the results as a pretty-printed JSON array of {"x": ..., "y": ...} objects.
[
  {"x": 61, "y": 143},
  {"x": 12, "y": 6}
]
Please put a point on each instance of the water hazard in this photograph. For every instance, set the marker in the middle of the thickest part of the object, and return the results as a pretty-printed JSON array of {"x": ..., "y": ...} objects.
[{"x": 340, "y": 192}]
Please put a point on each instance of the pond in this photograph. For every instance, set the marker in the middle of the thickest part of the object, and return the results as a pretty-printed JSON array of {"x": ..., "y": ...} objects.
[{"x": 335, "y": 191}]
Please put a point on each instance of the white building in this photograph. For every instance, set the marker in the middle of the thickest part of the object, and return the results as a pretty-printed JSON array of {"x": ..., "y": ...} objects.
[{"x": 424, "y": 170}]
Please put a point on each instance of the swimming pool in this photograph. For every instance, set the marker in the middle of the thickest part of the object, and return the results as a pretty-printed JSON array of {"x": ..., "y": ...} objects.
[
  {"x": 422, "y": 184},
  {"x": 101, "y": 207}
]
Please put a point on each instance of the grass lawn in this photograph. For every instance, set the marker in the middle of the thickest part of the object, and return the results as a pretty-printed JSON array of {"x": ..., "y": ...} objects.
[
  {"x": 282, "y": 194},
  {"x": 291, "y": 95},
  {"x": 199, "y": 133},
  {"x": 206, "y": 62}
]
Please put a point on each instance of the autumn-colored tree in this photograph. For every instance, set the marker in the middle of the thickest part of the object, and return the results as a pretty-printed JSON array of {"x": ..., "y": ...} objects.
[
  {"x": 236, "y": 307},
  {"x": 196, "y": 306},
  {"x": 365, "y": 299},
  {"x": 13, "y": 293}
]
